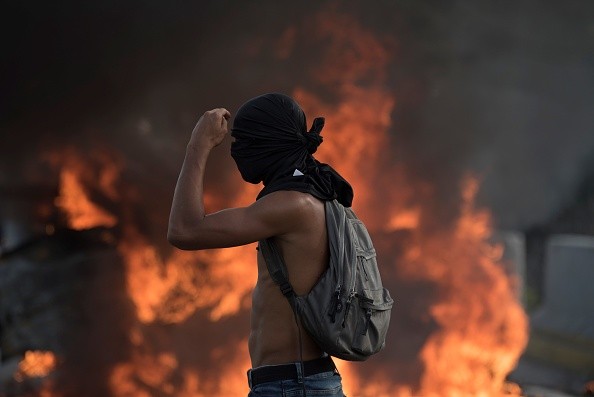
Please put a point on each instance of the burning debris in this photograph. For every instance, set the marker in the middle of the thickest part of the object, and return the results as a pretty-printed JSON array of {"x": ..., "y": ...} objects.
[
  {"x": 95, "y": 284},
  {"x": 458, "y": 328}
]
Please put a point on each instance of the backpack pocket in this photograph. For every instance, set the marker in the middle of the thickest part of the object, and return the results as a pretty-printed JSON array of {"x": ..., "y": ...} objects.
[
  {"x": 361, "y": 239},
  {"x": 373, "y": 319}
]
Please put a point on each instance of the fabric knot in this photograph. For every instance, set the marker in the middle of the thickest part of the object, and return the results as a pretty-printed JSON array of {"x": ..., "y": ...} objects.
[{"x": 313, "y": 139}]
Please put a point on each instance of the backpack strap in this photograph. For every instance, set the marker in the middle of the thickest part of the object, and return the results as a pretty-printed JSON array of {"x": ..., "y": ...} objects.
[{"x": 277, "y": 269}]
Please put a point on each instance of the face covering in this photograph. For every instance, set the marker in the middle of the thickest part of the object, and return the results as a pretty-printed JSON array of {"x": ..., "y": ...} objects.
[{"x": 272, "y": 145}]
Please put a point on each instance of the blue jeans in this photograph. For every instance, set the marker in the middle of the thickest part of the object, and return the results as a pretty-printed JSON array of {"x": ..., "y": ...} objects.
[{"x": 322, "y": 384}]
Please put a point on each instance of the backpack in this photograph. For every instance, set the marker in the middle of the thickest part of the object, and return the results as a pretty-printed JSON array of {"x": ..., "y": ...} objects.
[{"x": 347, "y": 312}]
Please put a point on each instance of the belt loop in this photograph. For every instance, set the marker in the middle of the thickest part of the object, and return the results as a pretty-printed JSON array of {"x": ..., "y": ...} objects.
[{"x": 299, "y": 366}]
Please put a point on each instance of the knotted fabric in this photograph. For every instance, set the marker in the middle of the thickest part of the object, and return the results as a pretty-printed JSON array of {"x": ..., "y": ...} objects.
[{"x": 272, "y": 145}]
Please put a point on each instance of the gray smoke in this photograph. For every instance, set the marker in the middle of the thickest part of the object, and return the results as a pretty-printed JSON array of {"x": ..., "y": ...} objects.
[{"x": 503, "y": 89}]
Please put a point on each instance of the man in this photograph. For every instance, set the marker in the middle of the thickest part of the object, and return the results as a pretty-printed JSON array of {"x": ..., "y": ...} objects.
[{"x": 271, "y": 146}]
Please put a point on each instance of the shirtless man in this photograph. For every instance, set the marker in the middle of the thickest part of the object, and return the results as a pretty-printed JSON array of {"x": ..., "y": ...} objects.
[{"x": 291, "y": 212}]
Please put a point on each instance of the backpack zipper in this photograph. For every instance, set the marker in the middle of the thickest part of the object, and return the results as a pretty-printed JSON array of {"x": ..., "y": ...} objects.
[
  {"x": 364, "y": 270},
  {"x": 336, "y": 304},
  {"x": 368, "y": 314},
  {"x": 347, "y": 307},
  {"x": 352, "y": 292}
]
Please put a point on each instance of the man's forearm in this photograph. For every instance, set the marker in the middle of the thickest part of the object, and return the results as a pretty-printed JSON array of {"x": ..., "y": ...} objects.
[
  {"x": 187, "y": 209},
  {"x": 188, "y": 203}
]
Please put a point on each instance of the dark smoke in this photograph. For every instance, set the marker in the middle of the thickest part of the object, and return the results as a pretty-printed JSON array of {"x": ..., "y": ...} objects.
[{"x": 504, "y": 89}]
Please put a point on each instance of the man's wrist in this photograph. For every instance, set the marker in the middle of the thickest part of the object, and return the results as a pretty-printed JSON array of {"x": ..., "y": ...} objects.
[{"x": 198, "y": 148}]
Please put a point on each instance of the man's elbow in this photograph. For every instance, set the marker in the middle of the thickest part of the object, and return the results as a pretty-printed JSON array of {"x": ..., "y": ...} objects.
[
  {"x": 181, "y": 242},
  {"x": 174, "y": 240}
]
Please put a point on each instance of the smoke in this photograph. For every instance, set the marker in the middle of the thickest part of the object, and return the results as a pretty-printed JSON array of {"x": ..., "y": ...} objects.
[
  {"x": 512, "y": 103},
  {"x": 502, "y": 90}
]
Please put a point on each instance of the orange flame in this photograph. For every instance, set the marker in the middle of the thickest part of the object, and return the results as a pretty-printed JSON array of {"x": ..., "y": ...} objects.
[
  {"x": 75, "y": 175},
  {"x": 81, "y": 211},
  {"x": 156, "y": 372},
  {"x": 171, "y": 290},
  {"x": 481, "y": 328},
  {"x": 35, "y": 364}
]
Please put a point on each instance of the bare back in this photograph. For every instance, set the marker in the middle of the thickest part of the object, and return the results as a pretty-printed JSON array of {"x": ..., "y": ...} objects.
[{"x": 274, "y": 336}]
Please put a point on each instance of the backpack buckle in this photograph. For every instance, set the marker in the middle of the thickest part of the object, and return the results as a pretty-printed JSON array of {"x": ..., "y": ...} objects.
[{"x": 286, "y": 289}]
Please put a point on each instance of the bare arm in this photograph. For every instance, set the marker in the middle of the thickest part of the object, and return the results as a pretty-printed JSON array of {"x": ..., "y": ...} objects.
[
  {"x": 188, "y": 203},
  {"x": 189, "y": 226}
]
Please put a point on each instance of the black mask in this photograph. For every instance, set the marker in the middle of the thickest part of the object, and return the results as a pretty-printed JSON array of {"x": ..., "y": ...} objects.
[{"x": 272, "y": 145}]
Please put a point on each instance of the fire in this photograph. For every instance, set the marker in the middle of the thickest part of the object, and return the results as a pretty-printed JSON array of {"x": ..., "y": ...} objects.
[
  {"x": 164, "y": 289},
  {"x": 479, "y": 327},
  {"x": 169, "y": 290},
  {"x": 481, "y": 334},
  {"x": 149, "y": 371},
  {"x": 76, "y": 175},
  {"x": 407, "y": 219},
  {"x": 82, "y": 212},
  {"x": 482, "y": 328},
  {"x": 35, "y": 364}
]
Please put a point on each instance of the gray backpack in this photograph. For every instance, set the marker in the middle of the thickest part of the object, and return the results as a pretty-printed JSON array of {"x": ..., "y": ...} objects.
[{"x": 347, "y": 312}]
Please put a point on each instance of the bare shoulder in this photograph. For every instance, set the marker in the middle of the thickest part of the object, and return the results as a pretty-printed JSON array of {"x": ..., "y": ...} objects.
[
  {"x": 291, "y": 207},
  {"x": 288, "y": 201}
]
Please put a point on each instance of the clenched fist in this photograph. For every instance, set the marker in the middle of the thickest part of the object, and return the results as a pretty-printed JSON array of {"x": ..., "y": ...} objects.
[{"x": 211, "y": 128}]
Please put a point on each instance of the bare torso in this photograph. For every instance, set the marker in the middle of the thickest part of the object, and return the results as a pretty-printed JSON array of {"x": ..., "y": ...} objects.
[{"x": 274, "y": 336}]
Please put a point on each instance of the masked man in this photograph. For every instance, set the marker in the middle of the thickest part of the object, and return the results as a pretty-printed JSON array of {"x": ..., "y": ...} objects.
[{"x": 271, "y": 145}]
